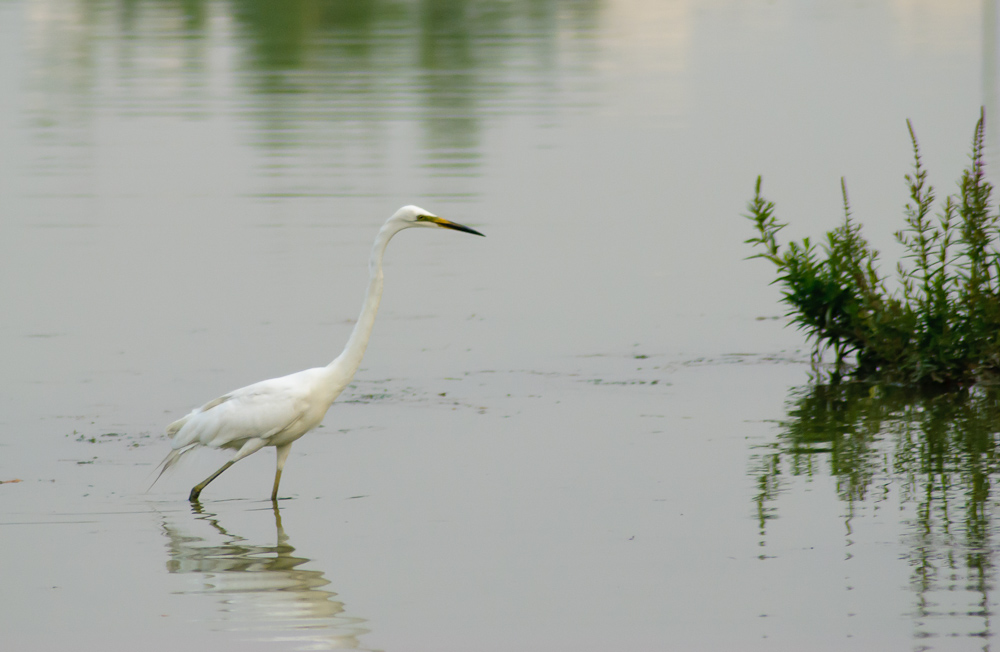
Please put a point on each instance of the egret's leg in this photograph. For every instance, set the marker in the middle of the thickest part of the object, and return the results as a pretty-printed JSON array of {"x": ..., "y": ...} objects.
[
  {"x": 283, "y": 452},
  {"x": 252, "y": 446},
  {"x": 197, "y": 489}
]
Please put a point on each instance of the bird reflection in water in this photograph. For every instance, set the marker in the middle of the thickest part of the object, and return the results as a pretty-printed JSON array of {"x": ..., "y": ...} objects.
[{"x": 262, "y": 588}]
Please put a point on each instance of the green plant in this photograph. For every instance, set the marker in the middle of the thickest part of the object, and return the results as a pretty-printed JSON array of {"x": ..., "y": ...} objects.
[{"x": 941, "y": 325}]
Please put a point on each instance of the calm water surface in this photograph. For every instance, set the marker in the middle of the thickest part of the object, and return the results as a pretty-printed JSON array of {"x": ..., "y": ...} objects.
[{"x": 588, "y": 431}]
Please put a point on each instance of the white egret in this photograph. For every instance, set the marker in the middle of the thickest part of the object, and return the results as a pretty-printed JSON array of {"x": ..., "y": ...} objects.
[{"x": 278, "y": 411}]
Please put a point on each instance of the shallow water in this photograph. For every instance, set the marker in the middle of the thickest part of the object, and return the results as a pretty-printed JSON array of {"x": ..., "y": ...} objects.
[{"x": 585, "y": 431}]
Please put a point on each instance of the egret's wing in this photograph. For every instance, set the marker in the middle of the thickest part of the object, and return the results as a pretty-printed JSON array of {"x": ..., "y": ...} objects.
[{"x": 256, "y": 411}]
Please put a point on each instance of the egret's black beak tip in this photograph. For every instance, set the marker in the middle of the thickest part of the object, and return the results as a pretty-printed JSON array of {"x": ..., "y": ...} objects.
[{"x": 460, "y": 227}]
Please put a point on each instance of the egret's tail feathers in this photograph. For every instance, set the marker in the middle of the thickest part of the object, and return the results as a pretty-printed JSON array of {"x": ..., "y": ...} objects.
[{"x": 168, "y": 462}]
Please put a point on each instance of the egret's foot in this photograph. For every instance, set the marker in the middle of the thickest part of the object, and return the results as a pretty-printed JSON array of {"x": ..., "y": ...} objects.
[{"x": 195, "y": 492}]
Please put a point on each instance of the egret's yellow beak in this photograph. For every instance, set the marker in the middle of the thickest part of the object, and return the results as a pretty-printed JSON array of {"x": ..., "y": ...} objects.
[{"x": 440, "y": 221}]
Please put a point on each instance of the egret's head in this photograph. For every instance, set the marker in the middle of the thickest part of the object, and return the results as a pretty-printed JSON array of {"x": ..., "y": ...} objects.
[{"x": 414, "y": 216}]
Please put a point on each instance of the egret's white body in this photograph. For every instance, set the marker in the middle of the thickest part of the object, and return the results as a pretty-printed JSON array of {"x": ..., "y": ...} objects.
[{"x": 278, "y": 411}]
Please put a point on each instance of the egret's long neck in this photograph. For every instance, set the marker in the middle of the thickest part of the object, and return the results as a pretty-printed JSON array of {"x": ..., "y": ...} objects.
[{"x": 349, "y": 360}]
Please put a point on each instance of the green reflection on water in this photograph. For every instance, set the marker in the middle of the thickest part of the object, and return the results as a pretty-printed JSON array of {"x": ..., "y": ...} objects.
[
  {"x": 318, "y": 84},
  {"x": 938, "y": 451},
  {"x": 447, "y": 63}
]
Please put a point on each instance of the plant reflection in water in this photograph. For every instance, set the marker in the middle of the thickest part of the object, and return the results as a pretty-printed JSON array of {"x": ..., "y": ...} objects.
[
  {"x": 938, "y": 451},
  {"x": 262, "y": 588}
]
